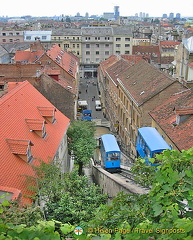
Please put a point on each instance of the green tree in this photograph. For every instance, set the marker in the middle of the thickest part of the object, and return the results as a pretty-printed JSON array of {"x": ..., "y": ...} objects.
[
  {"x": 68, "y": 197},
  {"x": 159, "y": 214},
  {"x": 81, "y": 142}
]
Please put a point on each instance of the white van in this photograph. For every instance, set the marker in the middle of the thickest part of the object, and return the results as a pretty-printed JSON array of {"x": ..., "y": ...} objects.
[{"x": 98, "y": 105}]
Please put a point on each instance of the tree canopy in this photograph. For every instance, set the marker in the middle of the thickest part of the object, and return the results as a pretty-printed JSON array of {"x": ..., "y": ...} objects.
[{"x": 81, "y": 141}]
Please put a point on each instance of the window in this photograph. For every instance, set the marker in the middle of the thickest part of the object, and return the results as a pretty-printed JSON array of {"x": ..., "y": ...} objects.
[
  {"x": 87, "y": 38},
  {"x": 17, "y": 33},
  {"x": 127, "y": 39},
  {"x": 78, "y": 53},
  {"x": 1, "y": 87},
  {"x": 87, "y": 45},
  {"x": 106, "y": 52},
  {"x": 97, "y": 60},
  {"x": 78, "y": 45},
  {"x": 87, "y": 60},
  {"x": 107, "y": 45},
  {"x": 87, "y": 53},
  {"x": 107, "y": 38},
  {"x": 126, "y": 52},
  {"x": 11, "y": 34},
  {"x": 118, "y": 52},
  {"x": 4, "y": 34},
  {"x": 97, "y": 45},
  {"x": 4, "y": 40},
  {"x": 118, "y": 39},
  {"x": 44, "y": 37},
  {"x": 28, "y": 37},
  {"x": 10, "y": 40},
  {"x": 66, "y": 45},
  {"x": 29, "y": 155},
  {"x": 127, "y": 45},
  {"x": 73, "y": 45},
  {"x": 118, "y": 45},
  {"x": 97, "y": 52}
]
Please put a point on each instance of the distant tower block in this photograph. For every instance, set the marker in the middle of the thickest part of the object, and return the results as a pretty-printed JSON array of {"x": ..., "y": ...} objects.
[{"x": 116, "y": 12}]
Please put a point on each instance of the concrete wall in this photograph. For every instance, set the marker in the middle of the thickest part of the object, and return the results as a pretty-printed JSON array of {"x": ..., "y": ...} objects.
[{"x": 112, "y": 184}]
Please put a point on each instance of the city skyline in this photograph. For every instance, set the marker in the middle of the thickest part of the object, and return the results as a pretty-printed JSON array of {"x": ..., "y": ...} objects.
[{"x": 43, "y": 8}]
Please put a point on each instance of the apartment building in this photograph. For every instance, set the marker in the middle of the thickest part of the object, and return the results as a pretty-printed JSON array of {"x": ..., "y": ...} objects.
[
  {"x": 11, "y": 36},
  {"x": 122, "y": 40},
  {"x": 183, "y": 62},
  {"x": 97, "y": 45},
  {"x": 132, "y": 88},
  {"x": 68, "y": 39},
  {"x": 32, "y": 36},
  {"x": 93, "y": 45}
]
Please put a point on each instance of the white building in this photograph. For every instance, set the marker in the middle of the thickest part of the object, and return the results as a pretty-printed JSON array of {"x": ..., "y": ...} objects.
[{"x": 43, "y": 36}]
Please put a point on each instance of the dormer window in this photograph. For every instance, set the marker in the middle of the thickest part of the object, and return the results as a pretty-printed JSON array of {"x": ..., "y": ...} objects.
[
  {"x": 182, "y": 113},
  {"x": 21, "y": 148},
  {"x": 37, "y": 126},
  {"x": 48, "y": 113}
]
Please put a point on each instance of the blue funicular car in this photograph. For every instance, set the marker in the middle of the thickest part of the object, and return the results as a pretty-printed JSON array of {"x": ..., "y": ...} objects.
[{"x": 150, "y": 143}]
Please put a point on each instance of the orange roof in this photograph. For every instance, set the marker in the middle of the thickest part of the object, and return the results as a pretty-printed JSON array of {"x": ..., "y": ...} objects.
[
  {"x": 64, "y": 59},
  {"x": 13, "y": 193},
  {"x": 27, "y": 56},
  {"x": 169, "y": 43},
  {"x": 165, "y": 116},
  {"x": 18, "y": 146},
  {"x": 19, "y": 109}
]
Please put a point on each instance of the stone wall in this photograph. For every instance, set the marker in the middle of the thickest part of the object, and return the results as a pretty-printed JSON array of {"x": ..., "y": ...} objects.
[{"x": 112, "y": 184}]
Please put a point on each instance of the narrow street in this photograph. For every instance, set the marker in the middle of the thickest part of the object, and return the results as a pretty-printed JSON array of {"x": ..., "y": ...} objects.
[{"x": 88, "y": 90}]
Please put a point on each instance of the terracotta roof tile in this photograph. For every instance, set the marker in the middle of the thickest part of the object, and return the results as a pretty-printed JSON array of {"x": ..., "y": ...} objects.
[
  {"x": 18, "y": 146},
  {"x": 18, "y": 105},
  {"x": 27, "y": 56},
  {"x": 165, "y": 116},
  {"x": 64, "y": 59},
  {"x": 143, "y": 81},
  {"x": 35, "y": 124}
]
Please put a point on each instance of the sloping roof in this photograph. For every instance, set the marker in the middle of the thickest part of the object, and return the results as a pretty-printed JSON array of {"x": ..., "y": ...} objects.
[
  {"x": 64, "y": 59},
  {"x": 146, "y": 49},
  {"x": 169, "y": 44},
  {"x": 143, "y": 81},
  {"x": 27, "y": 56},
  {"x": 22, "y": 103},
  {"x": 165, "y": 117},
  {"x": 115, "y": 64},
  {"x": 13, "y": 47}
]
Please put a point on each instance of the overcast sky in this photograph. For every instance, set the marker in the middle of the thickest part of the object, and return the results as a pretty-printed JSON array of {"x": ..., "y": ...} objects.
[{"x": 97, "y": 7}]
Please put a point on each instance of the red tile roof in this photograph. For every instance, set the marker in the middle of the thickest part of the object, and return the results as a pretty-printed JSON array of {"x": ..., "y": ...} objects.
[
  {"x": 18, "y": 146},
  {"x": 27, "y": 56},
  {"x": 144, "y": 81},
  {"x": 165, "y": 116},
  {"x": 25, "y": 102},
  {"x": 191, "y": 64},
  {"x": 64, "y": 59},
  {"x": 14, "y": 193},
  {"x": 169, "y": 44}
]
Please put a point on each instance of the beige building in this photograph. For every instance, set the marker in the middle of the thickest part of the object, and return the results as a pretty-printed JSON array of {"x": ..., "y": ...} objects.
[
  {"x": 122, "y": 40},
  {"x": 183, "y": 62},
  {"x": 68, "y": 39},
  {"x": 94, "y": 44},
  {"x": 130, "y": 89},
  {"x": 11, "y": 36}
]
